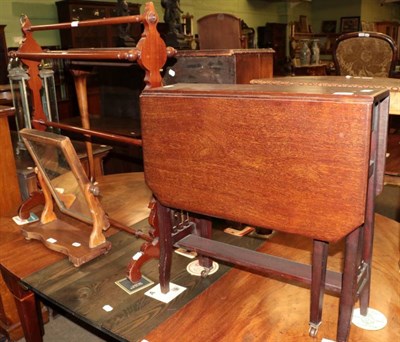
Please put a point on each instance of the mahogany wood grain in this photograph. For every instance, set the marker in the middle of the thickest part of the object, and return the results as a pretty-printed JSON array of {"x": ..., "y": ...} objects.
[
  {"x": 261, "y": 154},
  {"x": 80, "y": 80},
  {"x": 104, "y": 135},
  {"x": 248, "y": 64},
  {"x": 10, "y": 197}
]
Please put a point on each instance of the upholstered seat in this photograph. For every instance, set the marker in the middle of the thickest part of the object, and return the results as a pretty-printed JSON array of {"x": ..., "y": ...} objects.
[{"x": 365, "y": 54}]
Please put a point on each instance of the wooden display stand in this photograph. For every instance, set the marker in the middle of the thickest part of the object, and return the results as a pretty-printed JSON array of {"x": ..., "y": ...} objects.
[
  {"x": 150, "y": 54},
  {"x": 306, "y": 161}
]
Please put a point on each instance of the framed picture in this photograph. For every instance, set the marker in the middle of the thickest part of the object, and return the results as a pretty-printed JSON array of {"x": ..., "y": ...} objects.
[
  {"x": 328, "y": 26},
  {"x": 303, "y": 24},
  {"x": 349, "y": 24}
]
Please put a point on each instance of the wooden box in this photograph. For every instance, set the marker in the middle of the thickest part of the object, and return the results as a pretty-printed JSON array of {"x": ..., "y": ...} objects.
[
  {"x": 231, "y": 66},
  {"x": 294, "y": 159}
]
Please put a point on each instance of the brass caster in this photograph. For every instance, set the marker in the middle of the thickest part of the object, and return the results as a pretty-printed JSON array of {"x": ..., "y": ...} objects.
[
  {"x": 313, "y": 330},
  {"x": 205, "y": 272}
]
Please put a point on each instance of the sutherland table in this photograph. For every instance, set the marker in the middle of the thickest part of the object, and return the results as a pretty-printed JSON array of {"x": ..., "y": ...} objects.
[{"x": 300, "y": 160}]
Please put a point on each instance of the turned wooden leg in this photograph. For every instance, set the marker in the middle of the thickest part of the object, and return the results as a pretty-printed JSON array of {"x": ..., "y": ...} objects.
[
  {"x": 80, "y": 77},
  {"x": 349, "y": 286},
  {"x": 27, "y": 306},
  {"x": 319, "y": 264},
  {"x": 165, "y": 241}
]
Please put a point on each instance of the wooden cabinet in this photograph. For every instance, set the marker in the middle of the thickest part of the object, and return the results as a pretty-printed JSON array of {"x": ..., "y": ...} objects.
[
  {"x": 3, "y": 56},
  {"x": 95, "y": 36},
  {"x": 10, "y": 200},
  {"x": 273, "y": 35},
  {"x": 392, "y": 29}
]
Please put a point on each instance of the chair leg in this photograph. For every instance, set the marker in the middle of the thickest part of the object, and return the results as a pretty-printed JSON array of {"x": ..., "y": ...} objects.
[
  {"x": 319, "y": 264},
  {"x": 349, "y": 286},
  {"x": 165, "y": 241}
]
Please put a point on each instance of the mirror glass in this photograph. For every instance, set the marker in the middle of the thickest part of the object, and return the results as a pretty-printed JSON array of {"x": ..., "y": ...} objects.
[{"x": 50, "y": 157}]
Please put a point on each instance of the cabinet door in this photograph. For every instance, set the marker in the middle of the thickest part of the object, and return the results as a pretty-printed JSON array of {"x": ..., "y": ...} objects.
[
  {"x": 97, "y": 36},
  {"x": 3, "y": 57}
]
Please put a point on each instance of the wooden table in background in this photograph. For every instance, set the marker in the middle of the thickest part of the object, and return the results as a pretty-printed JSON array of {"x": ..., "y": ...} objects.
[{"x": 392, "y": 84}]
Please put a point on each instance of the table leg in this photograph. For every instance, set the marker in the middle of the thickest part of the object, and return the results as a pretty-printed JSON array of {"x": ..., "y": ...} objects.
[
  {"x": 349, "y": 285},
  {"x": 165, "y": 238},
  {"x": 368, "y": 239},
  {"x": 28, "y": 308},
  {"x": 204, "y": 228},
  {"x": 319, "y": 264}
]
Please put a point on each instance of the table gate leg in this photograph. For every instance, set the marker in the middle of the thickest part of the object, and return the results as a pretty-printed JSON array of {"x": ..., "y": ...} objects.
[
  {"x": 368, "y": 238},
  {"x": 204, "y": 228},
  {"x": 165, "y": 236},
  {"x": 319, "y": 264},
  {"x": 349, "y": 286}
]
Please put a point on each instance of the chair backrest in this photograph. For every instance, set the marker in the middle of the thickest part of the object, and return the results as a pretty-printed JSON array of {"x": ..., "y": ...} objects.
[
  {"x": 370, "y": 54},
  {"x": 219, "y": 31}
]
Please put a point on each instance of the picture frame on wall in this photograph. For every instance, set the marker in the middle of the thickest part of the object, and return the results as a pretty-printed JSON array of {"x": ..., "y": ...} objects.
[
  {"x": 328, "y": 26},
  {"x": 303, "y": 22},
  {"x": 349, "y": 24}
]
